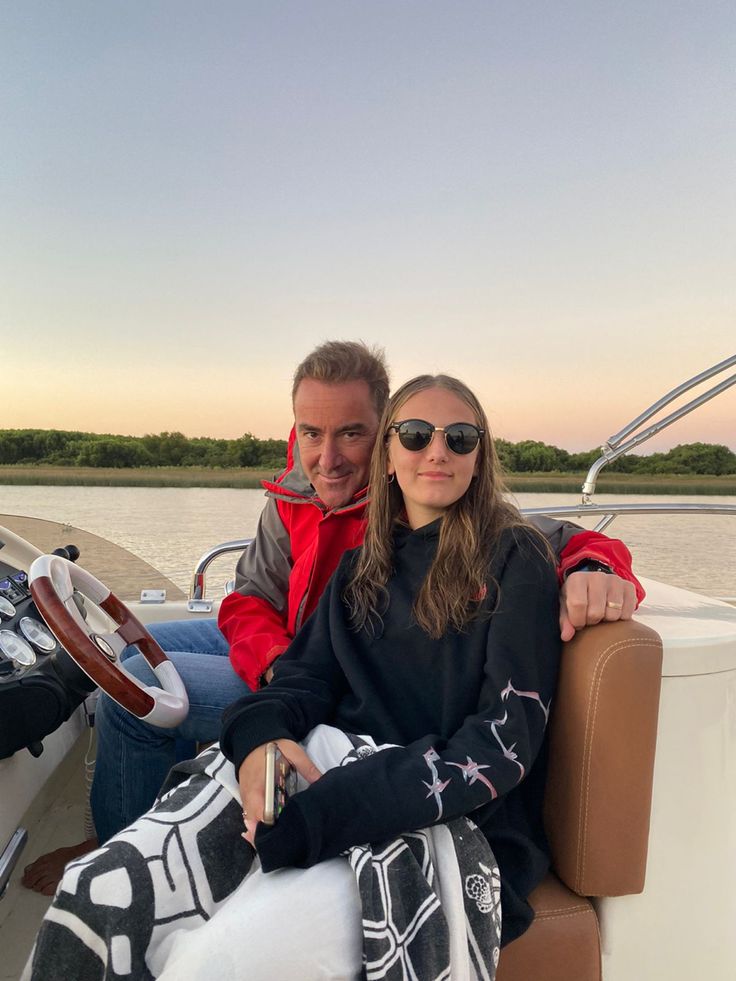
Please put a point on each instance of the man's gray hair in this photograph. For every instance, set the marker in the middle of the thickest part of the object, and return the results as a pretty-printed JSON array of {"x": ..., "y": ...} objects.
[{"x": 346, "y": 361}]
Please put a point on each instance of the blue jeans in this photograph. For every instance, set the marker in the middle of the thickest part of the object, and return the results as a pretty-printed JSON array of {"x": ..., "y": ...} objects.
[{"x": 133, "y": 758}]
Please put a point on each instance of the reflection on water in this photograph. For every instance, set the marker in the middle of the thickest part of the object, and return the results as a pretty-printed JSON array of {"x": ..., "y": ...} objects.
[{"x": 170, "y": 527}]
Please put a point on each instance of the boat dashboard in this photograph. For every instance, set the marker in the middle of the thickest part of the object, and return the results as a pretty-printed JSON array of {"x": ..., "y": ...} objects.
[
  {"x": 25, "y": 640},
  {"x": 40, "y": 684}
]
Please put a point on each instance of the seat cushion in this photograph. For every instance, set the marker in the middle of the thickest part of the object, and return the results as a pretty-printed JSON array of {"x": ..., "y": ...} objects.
[{"x": 562, "y": 944}]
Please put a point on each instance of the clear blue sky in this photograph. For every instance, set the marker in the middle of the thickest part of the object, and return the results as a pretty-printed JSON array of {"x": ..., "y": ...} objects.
[{"x": 538, "y": 197}]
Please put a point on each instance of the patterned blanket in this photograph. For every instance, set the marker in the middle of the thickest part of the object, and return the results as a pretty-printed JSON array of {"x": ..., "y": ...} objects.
[
  {"x": 407, "y": 931},
  {"x": 430, "y": 899}
]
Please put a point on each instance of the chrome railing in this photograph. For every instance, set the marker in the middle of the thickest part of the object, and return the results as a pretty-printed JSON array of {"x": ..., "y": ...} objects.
[
  {"x": 627, "y": 438},
  {"x": 198, "y": 587},
  {"x": 618, "y": 444},
  {"x": 9, "y": 857},
  {"x": 610, "y": 511}
]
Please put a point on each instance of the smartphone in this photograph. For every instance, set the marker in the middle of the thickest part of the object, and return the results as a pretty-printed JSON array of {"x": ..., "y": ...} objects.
[{"x": 280, "y": 783}]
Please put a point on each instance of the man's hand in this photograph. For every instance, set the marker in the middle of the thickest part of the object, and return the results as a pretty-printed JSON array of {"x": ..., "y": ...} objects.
[
  {"x": 589, "y": 597},
  {"x": 252, "y": 780}
]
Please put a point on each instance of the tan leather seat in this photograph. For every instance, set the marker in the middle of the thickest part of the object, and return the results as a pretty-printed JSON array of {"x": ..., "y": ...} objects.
[
  {"x": 562, "y": 943},
  {"x": 603, "y": 732}
]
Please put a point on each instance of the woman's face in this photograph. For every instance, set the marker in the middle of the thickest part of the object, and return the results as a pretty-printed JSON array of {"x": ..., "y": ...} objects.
[{"x": 433, "y": 478}]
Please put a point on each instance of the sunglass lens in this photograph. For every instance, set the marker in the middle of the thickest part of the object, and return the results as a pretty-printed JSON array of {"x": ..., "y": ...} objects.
[
  {"x": 461, "y": 437},
  {"x": 415, "y": 434}
]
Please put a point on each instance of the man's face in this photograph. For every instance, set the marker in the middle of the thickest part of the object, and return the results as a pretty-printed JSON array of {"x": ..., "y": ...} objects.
[{"x": 336, "y": 426}]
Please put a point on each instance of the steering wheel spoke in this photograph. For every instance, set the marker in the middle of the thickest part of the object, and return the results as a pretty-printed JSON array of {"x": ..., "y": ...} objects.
[
  {"x": 70, "y": 605},
  {"x": 62, "y": 582}
]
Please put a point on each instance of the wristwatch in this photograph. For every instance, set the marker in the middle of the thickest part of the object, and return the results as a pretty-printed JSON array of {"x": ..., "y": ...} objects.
[{"x": 590, "y": 565}]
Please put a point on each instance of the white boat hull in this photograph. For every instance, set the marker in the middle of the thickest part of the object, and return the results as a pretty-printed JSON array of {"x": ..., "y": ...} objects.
[{"x": 682, "y": 925}]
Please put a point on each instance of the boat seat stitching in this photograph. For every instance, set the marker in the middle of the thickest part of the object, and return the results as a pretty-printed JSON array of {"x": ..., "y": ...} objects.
[
  {"x": 564, "y": 909},
  {"x": 583, "y": 911}
]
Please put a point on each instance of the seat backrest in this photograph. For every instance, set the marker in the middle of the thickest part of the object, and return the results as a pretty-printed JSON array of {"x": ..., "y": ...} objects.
[{"x": 603, "y": 731}]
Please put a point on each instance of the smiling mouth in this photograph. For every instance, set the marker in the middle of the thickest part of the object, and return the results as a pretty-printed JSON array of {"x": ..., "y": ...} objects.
[{"x": 436, "y": 475}]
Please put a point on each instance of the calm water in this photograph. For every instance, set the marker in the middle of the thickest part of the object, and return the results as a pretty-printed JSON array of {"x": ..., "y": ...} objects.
[{"x": 170, "y": 527}]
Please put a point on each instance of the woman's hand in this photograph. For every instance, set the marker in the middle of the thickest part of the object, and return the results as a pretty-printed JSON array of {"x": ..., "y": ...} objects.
[{"x": 252, "y": 780}]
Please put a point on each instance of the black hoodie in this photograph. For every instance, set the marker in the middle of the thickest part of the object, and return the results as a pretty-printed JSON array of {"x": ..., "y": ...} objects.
[{"x": 468, "y": 712}]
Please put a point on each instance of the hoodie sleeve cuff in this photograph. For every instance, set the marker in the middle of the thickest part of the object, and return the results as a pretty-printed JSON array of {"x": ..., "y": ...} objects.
[
  {"x": 286, "y": 843},
  {"x": 245, "y": 739}
]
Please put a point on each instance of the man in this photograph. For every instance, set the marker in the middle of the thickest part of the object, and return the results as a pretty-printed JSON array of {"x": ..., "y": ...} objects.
[{"x": 314, "y": 512}]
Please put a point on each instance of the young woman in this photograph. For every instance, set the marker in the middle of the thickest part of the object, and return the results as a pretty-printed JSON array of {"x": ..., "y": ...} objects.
[{"x": 431, "y": 663}]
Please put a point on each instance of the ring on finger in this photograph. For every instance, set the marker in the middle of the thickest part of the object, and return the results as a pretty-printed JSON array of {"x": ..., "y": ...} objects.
[{"x": 615, "y": 606}]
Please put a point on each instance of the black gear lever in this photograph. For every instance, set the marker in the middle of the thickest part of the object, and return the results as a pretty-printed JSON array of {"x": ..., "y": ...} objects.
[{"x": 70, "y": 552}]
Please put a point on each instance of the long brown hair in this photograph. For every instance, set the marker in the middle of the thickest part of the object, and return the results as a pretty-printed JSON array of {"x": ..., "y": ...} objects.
[{"x": 469, "y": 529}]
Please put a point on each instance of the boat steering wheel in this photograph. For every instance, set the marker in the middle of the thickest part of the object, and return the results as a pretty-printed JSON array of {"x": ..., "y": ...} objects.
[{"x": 53, "y": 581}]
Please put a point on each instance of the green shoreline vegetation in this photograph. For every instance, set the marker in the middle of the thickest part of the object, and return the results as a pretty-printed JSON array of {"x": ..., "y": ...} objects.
[
  {"x": 51, "y": 456},
  {"x": 533, "y": 483}
]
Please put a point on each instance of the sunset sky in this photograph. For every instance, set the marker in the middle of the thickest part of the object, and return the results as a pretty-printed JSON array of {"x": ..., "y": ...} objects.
[{"x": 538, "y": 197}]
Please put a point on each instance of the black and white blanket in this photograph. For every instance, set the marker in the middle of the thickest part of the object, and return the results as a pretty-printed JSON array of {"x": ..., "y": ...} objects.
[
  {"x": 408, "y": 931},
  {"x": 430, "y": 899}
]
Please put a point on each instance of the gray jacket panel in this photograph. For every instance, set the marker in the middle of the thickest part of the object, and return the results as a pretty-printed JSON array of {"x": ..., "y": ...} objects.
[
  {"x": 557, "y": 533},
  {"x": 264, "y": 567}
]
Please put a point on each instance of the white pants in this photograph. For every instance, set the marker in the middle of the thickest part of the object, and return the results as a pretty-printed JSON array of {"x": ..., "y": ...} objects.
[{"x": 300, "y": 924}]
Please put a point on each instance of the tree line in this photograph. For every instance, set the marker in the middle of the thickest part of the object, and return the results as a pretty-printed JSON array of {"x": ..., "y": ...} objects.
[
  {"x": 530, "y": 456},
  {"x": 74, "y": 449}
]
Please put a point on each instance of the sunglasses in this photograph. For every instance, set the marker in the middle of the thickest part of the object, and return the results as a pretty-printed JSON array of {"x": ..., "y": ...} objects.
[{"x": 416, "y": 434}]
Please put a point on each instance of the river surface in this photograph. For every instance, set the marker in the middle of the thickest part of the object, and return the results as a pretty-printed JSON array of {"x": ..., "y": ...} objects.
[{"x": 171, "y": 527}]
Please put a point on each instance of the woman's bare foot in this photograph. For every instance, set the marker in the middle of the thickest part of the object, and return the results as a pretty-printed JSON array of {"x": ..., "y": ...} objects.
[{"x": 45, "y": 873}]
